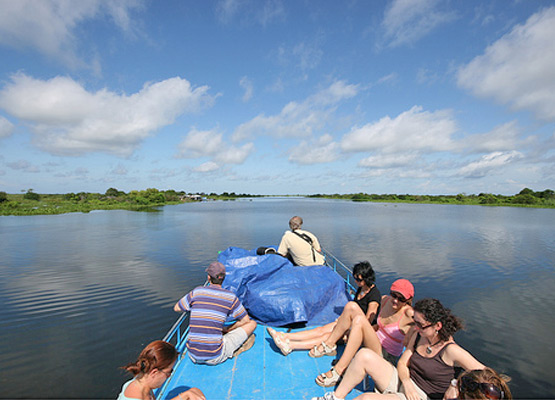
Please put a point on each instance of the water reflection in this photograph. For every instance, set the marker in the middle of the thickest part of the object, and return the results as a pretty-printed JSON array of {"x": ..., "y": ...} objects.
[{"x": 82, "y": 292}]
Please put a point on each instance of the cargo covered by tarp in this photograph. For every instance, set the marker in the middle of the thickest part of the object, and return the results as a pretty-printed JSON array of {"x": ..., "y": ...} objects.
[{"x": 277, "y": 293}]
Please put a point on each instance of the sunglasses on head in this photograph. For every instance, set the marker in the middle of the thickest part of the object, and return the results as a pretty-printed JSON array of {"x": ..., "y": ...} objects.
[
  {"x": 398, "y": 297},
  {"x": 488, "y": 389}
]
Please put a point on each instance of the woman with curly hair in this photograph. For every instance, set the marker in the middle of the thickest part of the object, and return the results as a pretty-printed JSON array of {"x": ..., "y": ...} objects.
[
  {"x": 152, "y": 368},
  {"x": 426, "y": 370}
]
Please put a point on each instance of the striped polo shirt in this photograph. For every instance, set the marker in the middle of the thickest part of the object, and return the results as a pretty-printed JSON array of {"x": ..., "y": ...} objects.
[{"x": 210, "y": 306}]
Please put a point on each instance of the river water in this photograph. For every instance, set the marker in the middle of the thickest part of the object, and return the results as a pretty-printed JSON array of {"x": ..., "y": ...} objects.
[{"x": 81, "y": 294}]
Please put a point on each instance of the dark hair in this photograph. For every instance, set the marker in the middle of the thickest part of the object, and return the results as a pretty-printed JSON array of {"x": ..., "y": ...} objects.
[
  {"x": 486, "y": 375},
  {"x": 434, "y": 311},
  {"x": 365, "y": 270},
  {"x": 157, "y": 354},
  {"x": 218, "y": 279}
]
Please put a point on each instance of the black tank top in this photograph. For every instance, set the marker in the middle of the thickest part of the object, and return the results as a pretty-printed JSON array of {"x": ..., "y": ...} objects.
[
  {"x": 373, "y": 295},
  {"x": 431, "y": 375}
]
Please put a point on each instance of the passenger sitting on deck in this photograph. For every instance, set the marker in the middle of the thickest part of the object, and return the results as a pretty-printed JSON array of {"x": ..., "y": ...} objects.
[
  {"x": 365, "y": 305},
  {"x": 300, "y": 246},
  {"x": 425, "y": 370},
  {"x": 387, "y": 337},
  {"x": 209, "y": 342},
  {"x": 152, "y": 368},
  {"x": 483, "y": 384}
]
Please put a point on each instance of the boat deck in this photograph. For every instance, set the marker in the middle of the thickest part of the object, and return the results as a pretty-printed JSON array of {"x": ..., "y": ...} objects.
[{"x": 259, "y": 373}]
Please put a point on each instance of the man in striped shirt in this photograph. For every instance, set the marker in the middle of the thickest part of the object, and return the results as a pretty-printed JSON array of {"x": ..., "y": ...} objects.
[{"x": 209, "y": 341}]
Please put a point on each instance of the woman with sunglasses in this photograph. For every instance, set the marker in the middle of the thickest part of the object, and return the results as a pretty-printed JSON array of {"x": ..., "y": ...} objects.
[
  {"x": 366, "y": 305},
  {"x": 152, "y": 368},
  {"x": 425, "y": 369},
  {"x": 388, "y": 337},
  {"x": 483, "y": 384}
]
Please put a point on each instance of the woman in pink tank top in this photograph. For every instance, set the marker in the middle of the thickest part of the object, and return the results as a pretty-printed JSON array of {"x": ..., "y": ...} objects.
[{"x": 386, "y": 338}]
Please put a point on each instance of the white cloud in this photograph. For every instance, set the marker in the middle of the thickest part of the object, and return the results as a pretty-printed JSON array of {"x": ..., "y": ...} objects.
[
  {"x": 69, "y": 120},
  {"x": 407, "y": 21},
  {"x": 501, "y": 138},
  {"x": 318, "y": 151},
  {"x": 207, "y": 167},
  {"x": 388, "y": 161},
  {"x": 412, "y": 130},
  {"x": 48, "y": 26},
  {"x": 211, "y": 144},
  {"x": 247, "y": 85},
  {"x": 235, "y": 155},
  {"x": 518, "y": 69},
  {"x": 6, "y": 127},
  {"x": 298, "y": 119},
  {"x": 201, "y": 143},
  {"x": 488, "y": 163}
]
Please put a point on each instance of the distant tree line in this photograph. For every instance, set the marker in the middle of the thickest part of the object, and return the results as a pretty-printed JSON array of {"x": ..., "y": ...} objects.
[
  {"x": 31, "y": 203},
  {"x": 526, "y": 197}
]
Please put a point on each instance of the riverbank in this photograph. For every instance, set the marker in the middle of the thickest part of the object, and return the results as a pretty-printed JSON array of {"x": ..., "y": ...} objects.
[{"x": 151, "y": 200}]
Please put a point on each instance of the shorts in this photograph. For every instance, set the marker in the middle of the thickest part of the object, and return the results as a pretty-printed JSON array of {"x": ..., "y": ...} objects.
[
  {"x": 231, "y": 342},
  {"x": 396, "y": 387}
]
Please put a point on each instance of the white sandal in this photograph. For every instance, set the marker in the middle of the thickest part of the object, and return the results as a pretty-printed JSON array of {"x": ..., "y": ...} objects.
[
  {"x": 326, "y": 351},
  {"x": 326, "y": 381}
]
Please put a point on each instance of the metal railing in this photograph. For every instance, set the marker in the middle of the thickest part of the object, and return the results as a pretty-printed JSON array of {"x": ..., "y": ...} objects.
[{"x": 341, "y": 269}]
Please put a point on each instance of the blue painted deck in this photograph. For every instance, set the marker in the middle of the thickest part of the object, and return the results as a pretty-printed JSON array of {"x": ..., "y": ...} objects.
[{"x": 259, "y": 373}]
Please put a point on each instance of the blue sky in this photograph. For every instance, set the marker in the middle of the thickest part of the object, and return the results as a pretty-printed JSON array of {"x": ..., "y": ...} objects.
[{"x": 277, "y": 97}]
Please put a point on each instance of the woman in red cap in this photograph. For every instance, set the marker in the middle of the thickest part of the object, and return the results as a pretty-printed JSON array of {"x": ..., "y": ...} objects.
[{"x": 387, "y": 338}]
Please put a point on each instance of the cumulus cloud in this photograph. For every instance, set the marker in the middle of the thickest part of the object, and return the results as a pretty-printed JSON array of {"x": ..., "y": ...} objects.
[
  {"x": 407, "y": 21},
  {"x": 502, "y": 138},
  {"x": 298, "y": 119},
  {"x": 69, "y": 120},
  {"x": 49, "y": 26},
  {"x": 6, "y": 127},
  {"x": 321, "y": 150},
  {"x": 412, "y": 130},
  {"x": 488, "y": 163},
  {"x": 519, "y": 69},
  {"x": 210, "y": 143}
]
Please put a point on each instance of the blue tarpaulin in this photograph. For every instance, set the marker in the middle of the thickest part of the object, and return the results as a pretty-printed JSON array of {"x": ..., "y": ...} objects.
[{"x": 277, "y": 293}]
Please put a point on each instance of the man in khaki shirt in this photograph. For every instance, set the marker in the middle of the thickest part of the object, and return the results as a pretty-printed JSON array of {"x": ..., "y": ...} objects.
[{"x": 301, "y": 246}]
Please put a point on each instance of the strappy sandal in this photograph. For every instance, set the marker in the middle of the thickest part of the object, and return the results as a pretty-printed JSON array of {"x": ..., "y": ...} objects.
[
  {"x": 326, "y": 381},
  {"x": 283, "y": 346},
  {"x": 326, "y": 351}
]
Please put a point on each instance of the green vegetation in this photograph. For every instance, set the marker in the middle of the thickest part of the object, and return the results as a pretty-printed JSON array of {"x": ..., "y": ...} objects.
[
  {"x": 32, "y": 203},
  {"x": 525, "y": 198}
]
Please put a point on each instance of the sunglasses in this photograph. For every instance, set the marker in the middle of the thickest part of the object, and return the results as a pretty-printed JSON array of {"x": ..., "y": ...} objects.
[
  {"x": 398, "y": 297},
  {"x": 488, "y": 389},
  {"x": 421, "y": 326},
  {"x": 358, "y": 279}
]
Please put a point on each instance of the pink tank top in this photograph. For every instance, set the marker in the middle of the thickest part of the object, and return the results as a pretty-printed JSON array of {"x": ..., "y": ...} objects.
[{"x": 390, "y": 336}]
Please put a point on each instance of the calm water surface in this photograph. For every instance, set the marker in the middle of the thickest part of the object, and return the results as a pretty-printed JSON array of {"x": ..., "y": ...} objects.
[{"x": 81, "y": 294}]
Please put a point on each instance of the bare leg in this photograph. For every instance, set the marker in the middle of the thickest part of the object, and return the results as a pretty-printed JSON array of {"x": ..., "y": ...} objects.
[
  {"x": 366, "y": 362},
  {"x": 344, "y": 322},
  {"x": 361, "y": 333},
  {"x": 317, "y": 332},
  {"x": 247, "y": 324}
]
